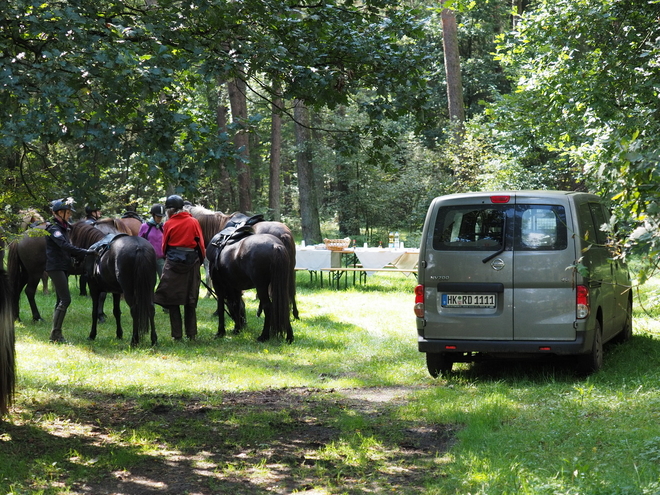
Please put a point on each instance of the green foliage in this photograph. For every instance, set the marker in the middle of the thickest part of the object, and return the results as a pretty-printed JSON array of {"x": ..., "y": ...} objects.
[{"x": 586, "y": 100}]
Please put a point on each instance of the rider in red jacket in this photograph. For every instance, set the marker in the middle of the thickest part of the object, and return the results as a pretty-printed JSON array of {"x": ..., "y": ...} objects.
[{"x": 183, "y": 245}]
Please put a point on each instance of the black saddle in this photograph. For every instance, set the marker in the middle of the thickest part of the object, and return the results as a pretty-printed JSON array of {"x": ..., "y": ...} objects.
[
  {"x": 101, "y": 247},
  {"x": 231, "y": 235}
]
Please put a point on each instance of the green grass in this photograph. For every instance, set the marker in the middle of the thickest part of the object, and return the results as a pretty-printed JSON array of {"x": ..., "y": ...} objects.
[{"x": 88, "y": 409}]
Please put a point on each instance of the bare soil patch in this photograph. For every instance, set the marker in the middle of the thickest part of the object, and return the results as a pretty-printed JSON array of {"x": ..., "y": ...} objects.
[{"x": 272, "y": 441}]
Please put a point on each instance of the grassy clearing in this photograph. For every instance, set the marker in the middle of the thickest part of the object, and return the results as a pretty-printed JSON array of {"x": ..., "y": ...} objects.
[{"x": 213, "y": 416}]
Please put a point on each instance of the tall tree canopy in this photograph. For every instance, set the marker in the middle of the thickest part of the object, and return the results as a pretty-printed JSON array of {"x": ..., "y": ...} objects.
[{"x": 586, "y": 100}]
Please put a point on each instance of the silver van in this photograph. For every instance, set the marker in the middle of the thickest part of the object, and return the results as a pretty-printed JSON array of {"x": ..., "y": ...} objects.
[{"x": 518, "y": 273}]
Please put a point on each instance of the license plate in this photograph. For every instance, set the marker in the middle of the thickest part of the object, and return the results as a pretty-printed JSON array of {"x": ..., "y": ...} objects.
[{"x": 469, "y": 300}]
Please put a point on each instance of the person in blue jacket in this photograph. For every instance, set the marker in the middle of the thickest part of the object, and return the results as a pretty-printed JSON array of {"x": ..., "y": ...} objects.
[{"x": 59, "y": 252}]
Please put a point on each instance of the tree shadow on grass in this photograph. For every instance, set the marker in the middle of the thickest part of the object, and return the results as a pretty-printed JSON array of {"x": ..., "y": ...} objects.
[
  {"x": 243, "y": 443},
  {"x": 620, "y": 361}
]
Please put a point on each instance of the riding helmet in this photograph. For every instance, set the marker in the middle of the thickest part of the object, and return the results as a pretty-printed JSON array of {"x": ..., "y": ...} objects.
[
  {"x": 62, "y": 204},
  {"x": 174, "y": 201},
  {"x": 89, "y": 209},
  {"x": 158, "y": 210}
]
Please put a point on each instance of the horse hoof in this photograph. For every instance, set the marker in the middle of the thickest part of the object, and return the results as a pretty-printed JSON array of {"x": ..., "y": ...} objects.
[
  {"x": 101, "y": 319},
  {"x": 36, "y": 320}
]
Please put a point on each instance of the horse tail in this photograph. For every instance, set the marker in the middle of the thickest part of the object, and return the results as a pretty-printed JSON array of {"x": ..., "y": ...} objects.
[
  {"x": 280, "y": 282},
  {"x": 16, "y": 272},
  {"x": 144, "y": 283},
  {"x": 7, "y": 346}
]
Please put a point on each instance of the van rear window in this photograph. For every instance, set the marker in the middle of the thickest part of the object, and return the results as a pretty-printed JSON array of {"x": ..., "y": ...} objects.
[
  {"x": 540, "y": 228},
  {"x": 472, "y": 228},
  {"x": 480, "y": 228}
]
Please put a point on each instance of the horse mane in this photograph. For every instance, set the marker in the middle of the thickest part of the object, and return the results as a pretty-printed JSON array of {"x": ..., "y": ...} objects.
[
  {"x": 112, "y": 226},
  {"x": 211, "y": 221},
  {"x": 84, "y": 234}
]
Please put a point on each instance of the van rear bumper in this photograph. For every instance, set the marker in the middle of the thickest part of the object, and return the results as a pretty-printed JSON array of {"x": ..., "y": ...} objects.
[{"x": 577, "y": 346}]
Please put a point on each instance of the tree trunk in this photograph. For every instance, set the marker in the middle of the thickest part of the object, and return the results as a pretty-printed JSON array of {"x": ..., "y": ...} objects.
[
  {"x": 225, "y": 195},
  {"x": 238, "y": 103},
  {"x": 453, "y": 72},
  {"x": 274, "y": 204},
  {"x": 309, "y": 210}
]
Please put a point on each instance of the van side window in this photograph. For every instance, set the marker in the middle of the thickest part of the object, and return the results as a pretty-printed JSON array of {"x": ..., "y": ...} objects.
[
  {"x": 540, "y": 228},
  {"x": 599, "y": 221},
  {"x": 592, "y": 218},
  {"x": 472, "y": 228}
]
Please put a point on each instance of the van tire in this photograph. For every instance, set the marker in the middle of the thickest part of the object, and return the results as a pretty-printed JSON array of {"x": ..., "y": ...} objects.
[
  {"x": 626, "y": 332},
  {"x": 592, "y": 362},
  {"x": 439, "y": 363}
]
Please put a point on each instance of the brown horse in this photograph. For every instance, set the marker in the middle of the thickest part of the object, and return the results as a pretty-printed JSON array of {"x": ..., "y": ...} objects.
[
  {"x": 7, "y": 346},
  {"x": 132, "y": 221},
  {"x": 127, "y": 265},
  {"x": 213, "y": 222},
  {"x": 27, "y": 262}
]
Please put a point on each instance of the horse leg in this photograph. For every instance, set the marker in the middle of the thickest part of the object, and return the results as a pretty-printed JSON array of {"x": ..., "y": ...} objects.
[
  {"x": 30, "y": 292},
  {"x": 95, "y": 308},
  {"x": 44, "y": 283},
  {"x": 265, "y": 302},
  {"x": 152, "y": 324},
  {"x": 238, "y": 314},
  {"x": 135, "y": 339},
  {"x": 116, "y": 311},
  {"x": 100, "y": 313}
]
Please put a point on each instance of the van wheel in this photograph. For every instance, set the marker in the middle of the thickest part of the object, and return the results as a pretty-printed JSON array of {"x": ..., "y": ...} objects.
[
  {"x": 626, "y": 332},
  {"x": 592, "y": 362},
  {"x": 438, "y": 363}
]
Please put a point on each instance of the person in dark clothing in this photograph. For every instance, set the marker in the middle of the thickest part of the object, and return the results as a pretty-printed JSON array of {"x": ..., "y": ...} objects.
[
  {"x": 183, "y": 245},
  {"x": 59, "y": 251},
  {"x": 92, "y": 214}
]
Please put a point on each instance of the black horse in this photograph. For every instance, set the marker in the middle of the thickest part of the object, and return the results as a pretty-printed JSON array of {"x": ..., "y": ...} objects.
[
  {"x": 125, "y": 265},
  {"x": 27, "y": 262},
  {"x": 7, "y": 349},
  {"x": 258, "y": 261},
  {"x": 213, "y": 222}
]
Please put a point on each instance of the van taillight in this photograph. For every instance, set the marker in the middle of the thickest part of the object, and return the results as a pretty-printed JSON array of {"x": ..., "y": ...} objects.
[
  {"x": 419, "y": 301},
  {"x": 582, "y": 301},
  {"x": 500, "y": 199}
]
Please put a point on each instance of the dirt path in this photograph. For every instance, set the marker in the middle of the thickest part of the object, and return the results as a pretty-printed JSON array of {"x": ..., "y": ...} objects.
[{"x": 274, "y": 441}]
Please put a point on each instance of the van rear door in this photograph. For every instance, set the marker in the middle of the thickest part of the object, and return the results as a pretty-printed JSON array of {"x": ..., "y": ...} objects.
[{"x": 544, "y": 249}]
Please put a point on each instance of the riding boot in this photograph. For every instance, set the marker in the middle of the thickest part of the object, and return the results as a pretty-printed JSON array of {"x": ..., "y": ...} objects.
[
  {"x": 190, "y": 316},
  {"x": 175, "y": 322},
  {"x": 58, "y": 319}
]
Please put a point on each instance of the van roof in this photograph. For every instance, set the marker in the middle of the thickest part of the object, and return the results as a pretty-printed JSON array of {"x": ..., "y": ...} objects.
[{"x": 518, "y": 194}]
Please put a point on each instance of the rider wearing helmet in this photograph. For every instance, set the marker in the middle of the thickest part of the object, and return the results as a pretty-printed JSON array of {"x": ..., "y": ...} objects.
[
  {"x": 59, "y": 252},
  {"x": 183, "y": 245},
  {"x": 152, "y": 230},
  {"x": 92, "y": 214}
]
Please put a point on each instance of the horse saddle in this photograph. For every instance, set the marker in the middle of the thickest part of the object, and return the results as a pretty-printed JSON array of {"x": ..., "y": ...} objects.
[
  {"x": 231, "y": 235},
  {"x": 92, "y": 264},
  {"x": 132, "y": 214},
  {"x": 240, "y": 219}
]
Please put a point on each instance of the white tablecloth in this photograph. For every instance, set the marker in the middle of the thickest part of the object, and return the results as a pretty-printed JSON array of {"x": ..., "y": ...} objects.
[
  {"x": 381, "y": 257},
  {"x": 314, "y": 259}
]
